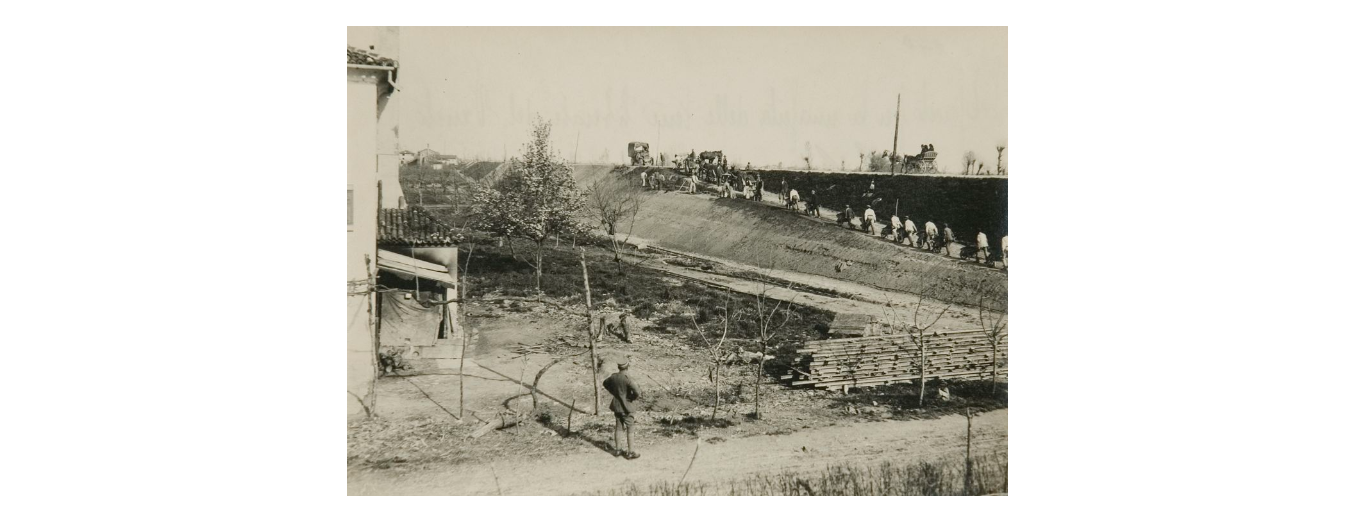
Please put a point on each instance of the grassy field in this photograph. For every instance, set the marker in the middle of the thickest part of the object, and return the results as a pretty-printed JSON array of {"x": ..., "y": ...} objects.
[
  {"x": 944, "y": 477},
  {"x": 760, "y": 235}
]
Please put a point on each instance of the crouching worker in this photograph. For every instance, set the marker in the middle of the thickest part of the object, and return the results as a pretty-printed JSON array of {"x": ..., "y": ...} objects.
[{"x": 623, "y": 391}]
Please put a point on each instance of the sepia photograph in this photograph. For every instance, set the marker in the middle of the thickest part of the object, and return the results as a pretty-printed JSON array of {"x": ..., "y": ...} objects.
[{"x": 731, "y": 261}]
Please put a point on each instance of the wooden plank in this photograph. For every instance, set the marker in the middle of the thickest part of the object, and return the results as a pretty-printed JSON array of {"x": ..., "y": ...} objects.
[
  {"x": 901, "y": 336},
  {"x": 863, "y": 382},
  {"x": 940, "y": 344},
  {"x": 880, "y": 341}
]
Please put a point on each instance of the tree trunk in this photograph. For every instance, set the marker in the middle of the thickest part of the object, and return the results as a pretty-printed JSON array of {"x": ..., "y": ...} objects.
[
  {"x": 757, "y": 387},
  {"x": 592, "y": 347},
  {"x": 921, "y": 396},
  {"x": 994, "y": 368},
  {"x": 540, "y": 253},
  {"x": 715, "y": 413}
]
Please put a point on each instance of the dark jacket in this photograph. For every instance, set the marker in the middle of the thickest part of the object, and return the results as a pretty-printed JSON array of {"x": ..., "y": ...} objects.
[{"x": 623, "y": 391}]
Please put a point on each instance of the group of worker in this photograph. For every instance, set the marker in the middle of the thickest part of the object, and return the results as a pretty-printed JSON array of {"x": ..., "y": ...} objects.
[
  {"x": 929, "y": 237},
  {"x": 658, "y": 180},
  {"x": 735, "y": 186}
]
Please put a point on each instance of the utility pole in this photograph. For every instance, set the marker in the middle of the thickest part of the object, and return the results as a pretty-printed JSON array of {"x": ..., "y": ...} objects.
[
  {"x": 897, "y": 116},
  {"x": 576, "y": 138}
]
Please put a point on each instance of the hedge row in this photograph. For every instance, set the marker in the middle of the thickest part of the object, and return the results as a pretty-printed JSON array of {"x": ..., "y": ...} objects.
[{"x": 968, "y": 204}]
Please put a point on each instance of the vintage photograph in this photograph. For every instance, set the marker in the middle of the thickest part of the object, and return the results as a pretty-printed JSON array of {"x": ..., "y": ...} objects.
[{"x": 677, "y": 261}]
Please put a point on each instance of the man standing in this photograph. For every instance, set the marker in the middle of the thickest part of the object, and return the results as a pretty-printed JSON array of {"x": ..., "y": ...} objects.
[
  {"x": 982, "y": 245},
  {"x": 623, "y": 391},
  {"x": 867, "y": 220},
  {"x": 846, "y": 217},
  {"x": 910, "y": 230},
  {"x": 949, "y": 238},
  {"x": 811, "y": 204},
  {"x": 643, "y": 179},
  {"x": 897, "y": 228},
  {"x": 931, "y": 235}
]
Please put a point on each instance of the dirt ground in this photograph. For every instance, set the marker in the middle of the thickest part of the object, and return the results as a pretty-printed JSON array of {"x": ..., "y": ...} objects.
[
  {"x": 588, "y": 470},
  {"x": 419, "y": 444}
]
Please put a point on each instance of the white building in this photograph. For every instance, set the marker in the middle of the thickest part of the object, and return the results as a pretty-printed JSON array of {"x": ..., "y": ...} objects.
[{"x": 373, "y": 182}]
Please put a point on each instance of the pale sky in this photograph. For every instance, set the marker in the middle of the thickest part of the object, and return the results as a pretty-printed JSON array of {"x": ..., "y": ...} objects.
[{"x": 762, "y": 95}]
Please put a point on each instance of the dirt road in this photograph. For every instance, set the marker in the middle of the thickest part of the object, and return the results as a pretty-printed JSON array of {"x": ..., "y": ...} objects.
[
  {"x": 592, "y": 470},
  {"x": 863, "y": 299}
]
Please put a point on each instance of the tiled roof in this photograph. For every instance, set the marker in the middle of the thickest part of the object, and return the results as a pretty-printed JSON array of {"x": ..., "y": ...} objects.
[
  {"x": 360, "y": 57},
  {"x": 413, "y": 226}
]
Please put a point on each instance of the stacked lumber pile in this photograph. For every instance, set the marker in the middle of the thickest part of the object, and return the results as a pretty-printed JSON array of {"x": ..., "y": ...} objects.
[
  {"x": 853, "y": 325},
  {"x": 880, "y": 360}
]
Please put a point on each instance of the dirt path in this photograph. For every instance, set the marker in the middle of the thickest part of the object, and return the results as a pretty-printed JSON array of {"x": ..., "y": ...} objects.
[
  {"x": 864, "y": 299},
  {"x": 592, "y": 470}
]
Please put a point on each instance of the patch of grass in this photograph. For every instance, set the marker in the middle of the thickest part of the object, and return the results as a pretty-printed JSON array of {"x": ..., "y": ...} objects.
[
  {"x": 647, "y": 294},
  {"x": 943, "y": 477}
]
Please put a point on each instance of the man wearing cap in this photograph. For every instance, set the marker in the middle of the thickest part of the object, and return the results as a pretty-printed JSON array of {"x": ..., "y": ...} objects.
[
  {"x": 867, "y": 220},
  {"x": 623, "y": 391}
]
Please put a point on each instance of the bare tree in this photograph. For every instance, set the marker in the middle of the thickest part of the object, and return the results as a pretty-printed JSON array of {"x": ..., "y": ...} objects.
[
  {"x": 767, "y": 329},
  {"x": 592, "y": 345},
  {"x": 717, "y": 352},
  {"x": 465, "y": 324},
  {"x": 808, "y": 165},
  {"x": 613, "y": 204},
  {"x": 992, "y": 318},
  {"x": 861, "y": 168},
  {"x": 969, "y": 159},
  {"x": 1000, "y": 150},
  {"x": 916, "y": 332}
]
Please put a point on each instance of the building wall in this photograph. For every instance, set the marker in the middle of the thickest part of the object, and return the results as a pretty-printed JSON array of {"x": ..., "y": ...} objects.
[{"x": 361, "y": 233}]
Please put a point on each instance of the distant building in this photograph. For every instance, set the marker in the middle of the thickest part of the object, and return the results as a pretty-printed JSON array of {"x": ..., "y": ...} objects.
[{"x": 430, "y": 157}]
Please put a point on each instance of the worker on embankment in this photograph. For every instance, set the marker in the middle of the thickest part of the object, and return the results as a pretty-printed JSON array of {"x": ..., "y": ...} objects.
[
  {"x": 643, "y": 179},
  {"x": 982, "y": 245},
  {"x": 1005, "y": 255},
  {"x": 897, "y": 228},
  {"x": 932, "y": 235},
  {"x": 948, "y": 238},
  {"x": 623, "y": 391},
  {"x": 811, "y": 204},
  {"x": 910, "y": 230},
  {"x": 846, "y": 216},
  {"x": 867, "y": 220},
  {"x": 793, "y": 202}
]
